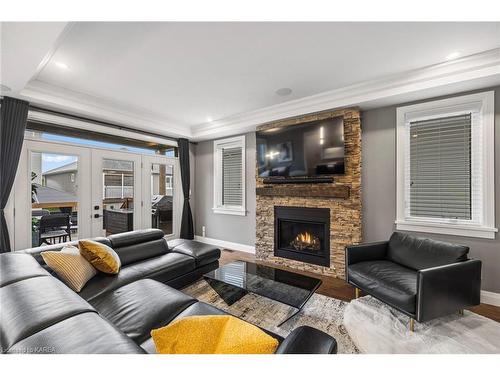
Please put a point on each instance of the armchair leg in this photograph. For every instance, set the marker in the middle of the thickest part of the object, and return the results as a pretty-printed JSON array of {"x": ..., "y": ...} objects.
[
  {"x": 412, "y": 325},
  {"x": 358, "y": 292}
]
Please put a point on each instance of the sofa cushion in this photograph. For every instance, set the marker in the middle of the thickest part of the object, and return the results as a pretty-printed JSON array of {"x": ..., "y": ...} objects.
[
  {"x": 196, "y": 309},
  {"x": 35, "y": 252},
  {"x": 202, "y": 308},
  {"x": 420, "y": 253},
  {"x": 70, "y": 266},
  {"x": 101, "y": 256},
  {"x": 136, "y": 236},
  {"x": 144, "y": 305},
  {"x": 387, "y": 281},
  {"x": 31, "y": 305},
  {"x": 168, "y": 266},
  {"x": 16, "y": 267},
  {"x": 140, "y": 251},
  {"x": 201, "y": 252},
  {"x": 162, "y": 268},
  {"x": 212, "y": 334},
  {"x": 85, "y": 333}
]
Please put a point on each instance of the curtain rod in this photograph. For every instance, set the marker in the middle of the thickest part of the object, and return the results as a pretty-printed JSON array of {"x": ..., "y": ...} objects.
[{"x": 99, "y": 122}]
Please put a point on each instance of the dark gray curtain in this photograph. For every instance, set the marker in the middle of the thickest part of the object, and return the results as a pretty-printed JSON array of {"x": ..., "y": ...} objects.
[
  {"x": 14, "y": 114},
  {"x": 187, "y": 228}
]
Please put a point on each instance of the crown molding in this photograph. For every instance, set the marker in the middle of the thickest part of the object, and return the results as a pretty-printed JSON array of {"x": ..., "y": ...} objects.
[
  {"x": 468, "y": 73},
  {"x": 53, "y": 96}
]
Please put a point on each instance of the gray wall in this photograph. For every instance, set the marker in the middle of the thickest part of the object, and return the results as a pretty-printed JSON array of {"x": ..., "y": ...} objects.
[
  {"x": 379, "y": 189},
  {"x": 232, "y": 228}
]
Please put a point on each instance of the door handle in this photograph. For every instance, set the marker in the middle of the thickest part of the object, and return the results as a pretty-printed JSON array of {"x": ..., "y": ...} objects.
[{"x": 97, "y": 216}]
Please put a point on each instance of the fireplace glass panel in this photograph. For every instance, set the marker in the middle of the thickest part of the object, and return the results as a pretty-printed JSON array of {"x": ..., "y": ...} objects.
[{"x": 305, "y": 237}]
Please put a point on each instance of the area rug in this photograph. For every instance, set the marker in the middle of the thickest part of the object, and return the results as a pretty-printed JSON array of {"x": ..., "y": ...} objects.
[
  {"x": 320, "y": 312},
  {"x": 376, "y": 328}
]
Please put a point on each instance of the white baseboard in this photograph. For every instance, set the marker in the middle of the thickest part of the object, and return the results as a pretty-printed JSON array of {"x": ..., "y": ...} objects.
[
  {"x": 490, "y": 298},
  {"x": 226, "y": 244}
]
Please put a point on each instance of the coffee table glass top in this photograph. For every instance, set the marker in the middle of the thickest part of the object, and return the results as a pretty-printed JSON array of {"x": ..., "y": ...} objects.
[{"x": 286, "y": 287}]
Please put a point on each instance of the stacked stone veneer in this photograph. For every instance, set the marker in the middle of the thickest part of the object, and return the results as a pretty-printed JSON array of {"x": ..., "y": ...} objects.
[{"x": 345, "y": 214}]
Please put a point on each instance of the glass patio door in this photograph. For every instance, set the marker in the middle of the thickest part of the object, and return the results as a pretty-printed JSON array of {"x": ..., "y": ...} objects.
[
  {"x": 162, "y": 195},
  {"x": 116, "y": 192},
  {"x": 51, "y": 201}
]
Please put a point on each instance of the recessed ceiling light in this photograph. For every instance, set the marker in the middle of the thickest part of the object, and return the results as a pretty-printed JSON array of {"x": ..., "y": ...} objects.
[
  {"x": 453, "y": 55},
  {"x": 284, "y": 91},
  {"x": 209, "y": 119},
  {"x": 4, "y": 88},
  {"x": 62, "y": 65}
]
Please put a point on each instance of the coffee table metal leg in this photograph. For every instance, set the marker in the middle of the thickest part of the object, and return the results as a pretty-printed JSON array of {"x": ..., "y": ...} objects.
[
  {"x": 299, "y": 309},
  {"x": 290, "y": 317},
  {"x": 229, "y": 293}
]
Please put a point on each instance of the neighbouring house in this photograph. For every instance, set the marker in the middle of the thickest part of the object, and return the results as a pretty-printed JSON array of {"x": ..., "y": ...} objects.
[{"x": 118, "y": 179}]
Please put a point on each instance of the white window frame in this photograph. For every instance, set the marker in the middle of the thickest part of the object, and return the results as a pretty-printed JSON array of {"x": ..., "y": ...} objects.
[
  {"x": 483, "y": 105},
  {"x": 219, "y": 145}
]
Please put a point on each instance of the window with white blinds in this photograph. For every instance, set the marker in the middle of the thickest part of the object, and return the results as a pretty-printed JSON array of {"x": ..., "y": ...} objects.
[
  {"x": 445, "y": 166},
  {"x": 229, "y": 176},
  {"x": 440, "y": 168},
  {"x": 232, "y": 166}
]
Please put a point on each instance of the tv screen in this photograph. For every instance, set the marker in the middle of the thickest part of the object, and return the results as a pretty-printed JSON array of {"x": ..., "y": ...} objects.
[{"x": 305, "y": 150}]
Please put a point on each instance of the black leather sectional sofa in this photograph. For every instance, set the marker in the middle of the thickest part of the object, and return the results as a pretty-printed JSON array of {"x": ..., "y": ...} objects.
[{"x": 114, "y": 314}]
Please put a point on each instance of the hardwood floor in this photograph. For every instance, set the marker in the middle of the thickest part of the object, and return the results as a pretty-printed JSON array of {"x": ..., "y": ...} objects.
[{"x": 338, "y": 288}]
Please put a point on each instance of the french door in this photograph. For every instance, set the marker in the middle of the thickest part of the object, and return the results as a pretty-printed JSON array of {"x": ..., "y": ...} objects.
[
  {"x": 116, "y": 192},
  {"x": 65, "y": 192},
  {"x": 162, "y": 195},
  {"x": 50, "y": 192}
]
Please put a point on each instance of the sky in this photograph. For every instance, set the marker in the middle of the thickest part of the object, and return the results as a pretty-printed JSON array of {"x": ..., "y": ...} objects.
[{"x": 51, "y": 161}]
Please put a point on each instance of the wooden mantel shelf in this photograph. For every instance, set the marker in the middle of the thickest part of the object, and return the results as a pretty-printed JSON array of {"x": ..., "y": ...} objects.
[{"x": 317, "y": 191}]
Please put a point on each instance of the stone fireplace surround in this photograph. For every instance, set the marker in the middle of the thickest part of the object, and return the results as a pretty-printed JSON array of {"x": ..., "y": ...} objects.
[{"x": 342, "y": 197}]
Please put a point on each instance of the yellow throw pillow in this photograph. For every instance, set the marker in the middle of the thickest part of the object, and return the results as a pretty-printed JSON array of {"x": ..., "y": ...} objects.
[
  {"x": 102, "y": 257},
  {"x": 70, "y": 266},
  {"x": 212, "y": 334}
]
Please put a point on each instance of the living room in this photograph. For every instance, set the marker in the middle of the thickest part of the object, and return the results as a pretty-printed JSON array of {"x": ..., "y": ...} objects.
[{"x": 212, "y": 187}]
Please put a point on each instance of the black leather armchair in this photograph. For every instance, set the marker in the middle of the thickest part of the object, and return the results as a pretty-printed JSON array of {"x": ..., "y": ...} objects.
[{"x": 422, "y": 278}]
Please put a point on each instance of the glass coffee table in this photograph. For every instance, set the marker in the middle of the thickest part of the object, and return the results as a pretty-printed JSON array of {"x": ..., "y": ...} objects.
[{"x": 236, "y": 279}]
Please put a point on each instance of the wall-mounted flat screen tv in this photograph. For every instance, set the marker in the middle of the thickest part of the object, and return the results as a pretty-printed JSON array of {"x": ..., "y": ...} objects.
[{"x": 311, "y": 149}]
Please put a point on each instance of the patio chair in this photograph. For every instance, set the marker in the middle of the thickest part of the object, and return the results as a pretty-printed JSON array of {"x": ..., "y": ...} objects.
[
  {"x": 54, "y": 227},
  {"x": 39, "y": 212}
]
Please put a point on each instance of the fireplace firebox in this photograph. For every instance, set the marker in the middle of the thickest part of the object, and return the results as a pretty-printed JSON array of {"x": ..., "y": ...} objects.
[{"x": 302, "y": 234}]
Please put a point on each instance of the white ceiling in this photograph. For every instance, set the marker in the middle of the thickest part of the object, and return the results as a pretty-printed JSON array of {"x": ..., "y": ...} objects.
[{"x": 182, "y": 78}]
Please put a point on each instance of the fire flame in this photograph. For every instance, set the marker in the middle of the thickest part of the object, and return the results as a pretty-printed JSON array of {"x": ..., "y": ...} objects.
[
  {"x": 306, "y": 241},
  {"x": 305, "y": 237}
]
